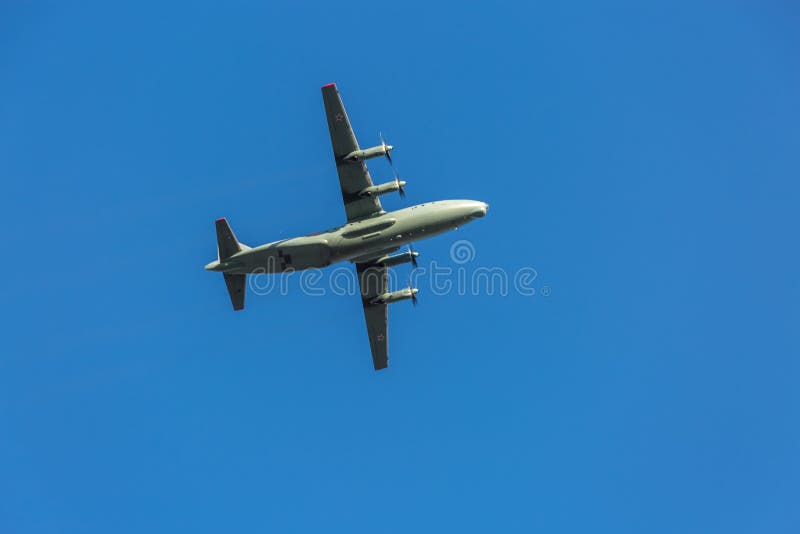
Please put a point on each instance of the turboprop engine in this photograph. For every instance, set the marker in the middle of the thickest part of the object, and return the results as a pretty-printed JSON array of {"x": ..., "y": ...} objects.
[
  {"x": 396, "y": 296},
  {"x": 381, "y": 150},
  {"x": 368, "y": 153},
  {"x": 382, "y": 189}
]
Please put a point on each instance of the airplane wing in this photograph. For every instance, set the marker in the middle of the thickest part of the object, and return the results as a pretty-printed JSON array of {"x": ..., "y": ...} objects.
[
  {"x": 373, "y": 281},
  {"x": 353, "y": 176}
]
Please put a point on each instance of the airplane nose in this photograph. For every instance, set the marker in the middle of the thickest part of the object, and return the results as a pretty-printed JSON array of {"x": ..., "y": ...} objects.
[
  {"x": 211, "y": 266},
  {"x": 480, "y": 210}
]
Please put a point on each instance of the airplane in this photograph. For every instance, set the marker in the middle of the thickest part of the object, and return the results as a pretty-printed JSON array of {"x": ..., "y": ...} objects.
[{"x": 368, "y": 239}]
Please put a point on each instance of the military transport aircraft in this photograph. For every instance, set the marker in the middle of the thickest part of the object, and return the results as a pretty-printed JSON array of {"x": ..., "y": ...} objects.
[{"x": 368, "y": 239}]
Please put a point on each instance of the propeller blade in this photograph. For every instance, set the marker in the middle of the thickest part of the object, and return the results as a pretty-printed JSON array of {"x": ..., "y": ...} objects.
[
  {"x": 400, "y": 187},
  {"x": 384, "y": 145},
  {"x": 413, "y": 256}
]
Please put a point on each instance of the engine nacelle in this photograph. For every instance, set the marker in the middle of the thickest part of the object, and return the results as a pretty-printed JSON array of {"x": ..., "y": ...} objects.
[
  {"x": 382, "y": 189},
  {"x": 369, "y": 153},
  {"x": 397, "y": 259},
  {"x": 395, "y": 296}
]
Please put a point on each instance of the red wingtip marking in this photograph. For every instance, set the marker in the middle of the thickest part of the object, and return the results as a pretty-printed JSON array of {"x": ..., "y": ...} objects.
[
  {"x": 329, "y": 85},
  {"x": 221, "y": 219}
]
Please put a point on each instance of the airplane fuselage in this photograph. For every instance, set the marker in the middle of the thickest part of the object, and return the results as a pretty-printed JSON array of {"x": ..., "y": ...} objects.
[{"x": 365, "y": 238}]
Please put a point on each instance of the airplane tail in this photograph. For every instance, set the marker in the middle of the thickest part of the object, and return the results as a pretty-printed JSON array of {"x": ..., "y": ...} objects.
[{"x": 227, "y": 246}]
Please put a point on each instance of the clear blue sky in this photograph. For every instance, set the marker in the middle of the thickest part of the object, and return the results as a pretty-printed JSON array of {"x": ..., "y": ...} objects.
[{"x": 642, "y": 158}]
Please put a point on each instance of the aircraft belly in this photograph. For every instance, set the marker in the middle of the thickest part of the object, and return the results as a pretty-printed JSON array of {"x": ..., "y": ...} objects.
[
  {"x": 307, "y": 256},
  {"x": 349, "y": 248},
  {"x": 287, "y": 256},
  {"x": 403, "y": 232},
  {"x": 354, "y": 241}
]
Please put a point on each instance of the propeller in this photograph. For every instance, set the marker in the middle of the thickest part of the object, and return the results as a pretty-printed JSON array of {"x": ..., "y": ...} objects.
[
  {"x": 386, "y": 148},
  {"x": 401, "y": 188},
  {"x": 387, "y": 152},
  {"x": 413, "y": 256},
  {"x": 413, "y": 293}
]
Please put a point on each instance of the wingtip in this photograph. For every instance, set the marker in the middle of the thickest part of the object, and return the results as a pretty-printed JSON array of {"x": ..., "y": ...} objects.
[
  {"x": 329, "y": 85},
  {"x": 221, "y": 219}
]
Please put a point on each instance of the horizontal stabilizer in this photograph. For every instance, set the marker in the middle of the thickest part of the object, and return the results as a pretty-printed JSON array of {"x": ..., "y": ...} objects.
[
  {"x": 235, "y": 283},
  {"x": 227, "y": 245}
]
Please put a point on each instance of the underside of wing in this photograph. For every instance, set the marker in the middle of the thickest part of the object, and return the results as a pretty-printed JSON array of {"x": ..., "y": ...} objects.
[
  {"x": 372, "y": 281},
  {"x": 353, "y": 175}
]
